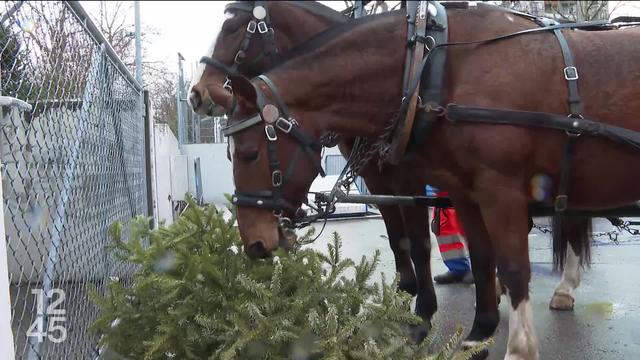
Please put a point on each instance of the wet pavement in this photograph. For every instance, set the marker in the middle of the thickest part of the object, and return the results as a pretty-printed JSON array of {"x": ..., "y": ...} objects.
[{"x": 605, "y": 323}]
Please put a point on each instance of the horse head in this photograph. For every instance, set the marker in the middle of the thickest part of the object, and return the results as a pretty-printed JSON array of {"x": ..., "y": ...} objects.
[
  {"x": 252, "y": 38},
  {"x": 270, "y": 152}
]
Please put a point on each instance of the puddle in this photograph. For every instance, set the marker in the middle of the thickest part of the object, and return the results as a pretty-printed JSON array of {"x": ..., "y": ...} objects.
[{"x": 600, "y": 309}]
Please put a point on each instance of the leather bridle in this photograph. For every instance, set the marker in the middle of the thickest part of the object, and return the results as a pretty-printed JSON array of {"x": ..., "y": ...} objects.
[
  {"x": 260, "y": 23},
  {"x": 276, "y": 119}
]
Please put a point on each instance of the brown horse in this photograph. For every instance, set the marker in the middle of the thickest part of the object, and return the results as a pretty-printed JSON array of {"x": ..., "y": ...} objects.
[
  {"x": 406, "y": 229},
  {"x": 294, "y": 23},
  {"x": 349, "y": 80}
]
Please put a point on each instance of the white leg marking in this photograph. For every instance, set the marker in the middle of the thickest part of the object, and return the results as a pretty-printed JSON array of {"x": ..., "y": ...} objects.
[
  {"x": 523, "y": 343},
  {"x": 563, "y": 298}
]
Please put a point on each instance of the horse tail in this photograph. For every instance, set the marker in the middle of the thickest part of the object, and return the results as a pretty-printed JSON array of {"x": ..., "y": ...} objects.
[{"x": 575, "y": 231}]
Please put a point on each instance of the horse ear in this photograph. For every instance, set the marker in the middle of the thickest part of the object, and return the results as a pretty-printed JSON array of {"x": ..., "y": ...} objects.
[{"x": 243, "y": 88}]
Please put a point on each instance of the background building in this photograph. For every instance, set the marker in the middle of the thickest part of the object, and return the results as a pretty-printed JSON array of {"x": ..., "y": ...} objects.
[{"x": 563, "y": 10}]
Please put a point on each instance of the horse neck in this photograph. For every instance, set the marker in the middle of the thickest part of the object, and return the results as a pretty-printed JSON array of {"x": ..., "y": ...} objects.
[
  {"x": 350, "y": 84},
  {"x": 294, "y": 25}
]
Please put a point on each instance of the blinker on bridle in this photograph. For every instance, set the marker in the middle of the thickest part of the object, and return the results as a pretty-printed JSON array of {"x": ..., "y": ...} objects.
[
  {"x": 260, "y": 23},
  {"x": 276, "y": 119}
]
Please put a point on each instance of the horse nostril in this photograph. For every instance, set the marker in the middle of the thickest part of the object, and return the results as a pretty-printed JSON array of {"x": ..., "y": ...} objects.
[
  {"x": 256, "y": 250},
  {"x": 195, "y": 99}
]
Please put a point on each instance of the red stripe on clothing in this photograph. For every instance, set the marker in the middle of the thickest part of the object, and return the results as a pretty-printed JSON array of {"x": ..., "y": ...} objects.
[{"x": 449, "y": 247}]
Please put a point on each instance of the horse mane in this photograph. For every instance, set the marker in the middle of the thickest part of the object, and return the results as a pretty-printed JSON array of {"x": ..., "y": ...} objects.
[{"x": 326, "y": 36}]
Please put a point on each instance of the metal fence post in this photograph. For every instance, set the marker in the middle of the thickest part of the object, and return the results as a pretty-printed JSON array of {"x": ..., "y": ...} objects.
[
  {"x": 148, "y": 128},
  {"x": 182, "y": 126},
  {"x": 6, "y": 334}
]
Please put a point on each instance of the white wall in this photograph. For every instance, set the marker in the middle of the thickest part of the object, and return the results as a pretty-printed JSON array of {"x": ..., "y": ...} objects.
[
  {"x": 216, "y": 171},
  {"x": 166, "y": 146},
  {"x": 6, "y": 335}
]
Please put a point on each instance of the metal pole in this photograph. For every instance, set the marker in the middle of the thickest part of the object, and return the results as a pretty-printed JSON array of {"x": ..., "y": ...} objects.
[
  {"x": 85, "y": 20},
  {"x": 6, "y": 335},
  {"x": 136, "y": 7},
  {"x": 143, "y": 104},
  {"x": 148, "y": 128},
  {"x": 181, "y": 121},
  {"x": 443, "y": 202}
]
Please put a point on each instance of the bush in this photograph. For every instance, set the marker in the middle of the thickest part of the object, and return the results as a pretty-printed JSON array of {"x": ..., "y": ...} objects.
[{"x": 195, "y": 295}]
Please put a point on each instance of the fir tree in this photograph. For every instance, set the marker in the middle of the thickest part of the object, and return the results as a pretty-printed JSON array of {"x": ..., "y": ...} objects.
[{"x": 196, "y": 295}]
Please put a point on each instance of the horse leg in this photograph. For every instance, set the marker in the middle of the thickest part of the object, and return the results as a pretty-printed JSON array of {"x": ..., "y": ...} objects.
[
  {"x": 505, "y": 216},
  {"x": 500, "y": 290},
  {"x": 416, "y": 220},
  {"x": 577, "y": 232},
  {"x": 562, "y": 298},
  {"x": 484, "y": 272},
  {"x": 399, "y": 244}
]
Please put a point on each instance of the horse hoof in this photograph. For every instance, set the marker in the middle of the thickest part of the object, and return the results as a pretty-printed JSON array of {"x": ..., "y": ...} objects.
[
  {"x": 420, "y": 332},
  {"x": 561, "y": 302}
]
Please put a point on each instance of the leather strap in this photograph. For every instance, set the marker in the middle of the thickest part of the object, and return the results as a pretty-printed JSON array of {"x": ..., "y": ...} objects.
[
  {"x": 561, "y": 200},
  {"x": 412, "y": 12},
  {"x": 570, "y": 73},
  {"x": 474, "y": 114},
  {"x": 276, "y": 94},
  {"x": 241, "y": 125},
  {"x": 416, "y": 51},
  {"x": 433, "y": 78}
]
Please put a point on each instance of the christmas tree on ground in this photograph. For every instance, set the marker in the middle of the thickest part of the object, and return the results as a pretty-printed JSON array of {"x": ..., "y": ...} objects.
[{"x": 196, "y": 295}]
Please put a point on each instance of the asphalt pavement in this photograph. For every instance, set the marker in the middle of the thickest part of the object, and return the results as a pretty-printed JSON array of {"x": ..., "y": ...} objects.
[{"x": 605, "y": 323}]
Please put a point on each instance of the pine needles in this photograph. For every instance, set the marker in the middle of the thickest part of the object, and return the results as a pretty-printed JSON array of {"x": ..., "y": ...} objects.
[{"x": 195, "y": 295}]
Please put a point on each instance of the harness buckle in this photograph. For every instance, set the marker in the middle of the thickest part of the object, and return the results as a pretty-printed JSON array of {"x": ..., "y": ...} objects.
[
  {"x": 561, "y": 203},
  {"x": 271, "y": 133},
  {"x": 276, "y": 178},
  {"x": 284, "y": 125},
  {"x": 576, "y": 124},
  {"x": 240, "y": 56},
  {"x": 251, "y": 27},
  {"x": 227, "y": 84},
  {"x": 570, "y": 73},
  {"x": 262, "y": 27}
]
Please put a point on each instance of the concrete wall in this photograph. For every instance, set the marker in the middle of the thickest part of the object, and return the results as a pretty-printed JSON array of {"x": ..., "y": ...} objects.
[
  {"x": 6, "y": 335},
  {"x": 166, "y": 146},
  {"x": 216, "y": 171}
]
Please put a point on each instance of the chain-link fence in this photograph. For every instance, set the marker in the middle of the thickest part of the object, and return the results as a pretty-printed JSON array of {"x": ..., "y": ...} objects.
[
  {"x": 71, "y": 166},
  {"x": 193, "y": 128}
]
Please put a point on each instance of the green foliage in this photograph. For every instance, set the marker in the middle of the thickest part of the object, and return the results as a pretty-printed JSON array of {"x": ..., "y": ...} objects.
[{"x": 196, "y": 295}]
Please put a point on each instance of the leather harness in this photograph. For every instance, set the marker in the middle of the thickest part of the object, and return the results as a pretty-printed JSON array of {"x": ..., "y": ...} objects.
[
  {"x": 260, "y": 23},
  {"x": 428, "y": 27},
  {"x": 276, "y": 118},
  {"x": 409, "y": 136}
]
